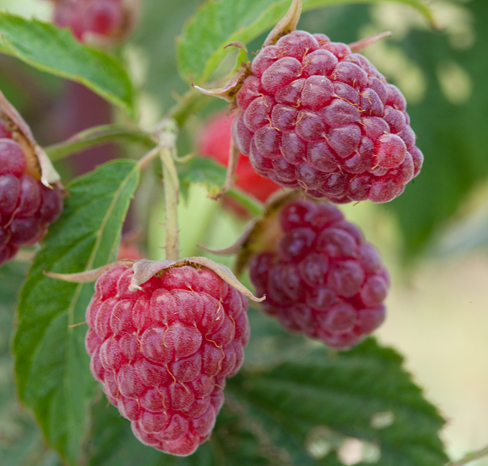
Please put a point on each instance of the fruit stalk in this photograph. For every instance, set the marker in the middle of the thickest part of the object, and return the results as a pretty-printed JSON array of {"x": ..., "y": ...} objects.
[{"x": 171, "y": 188}]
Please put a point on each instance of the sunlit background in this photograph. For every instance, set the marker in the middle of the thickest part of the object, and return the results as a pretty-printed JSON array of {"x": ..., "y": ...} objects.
[{"x": 434, "y": 238}]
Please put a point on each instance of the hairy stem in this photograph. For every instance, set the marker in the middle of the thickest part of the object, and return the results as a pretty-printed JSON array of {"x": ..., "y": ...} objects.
[
  {"x": 254, "y": 206},
  {"x": 98, "y": 135},
  {"x": 187, "y": 105},
  {"x": 171, "y": 187}
]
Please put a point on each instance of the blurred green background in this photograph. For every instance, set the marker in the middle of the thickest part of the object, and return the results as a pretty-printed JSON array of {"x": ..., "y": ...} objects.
[{"x": 434, "y": 238}]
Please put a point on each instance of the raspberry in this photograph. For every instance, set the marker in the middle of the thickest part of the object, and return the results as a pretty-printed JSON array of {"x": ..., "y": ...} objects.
[
  {"x": 163, "y": 354},
  {"x": 215, "y": 143},
  {"x": 321, "y": 278},
  {"x": 27, "y": 207},
  {"x": 314, "y": 115},
  {"x": 104, "y": 18}
]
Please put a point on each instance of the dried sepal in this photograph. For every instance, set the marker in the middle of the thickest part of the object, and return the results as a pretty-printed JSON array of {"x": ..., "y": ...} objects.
[
  {"x": 231, "y": 171},
  {"x": 239, "y": 45},
  {"x": 237, "y": 246},
  {"x": 39, "y": 165},
  {"x": 229, "y": 91},
  {"x": 286, "y": 25},
  {"x": 360, "y": 45},
  {"x": 88, "y": 275},
  {"x": 265, "y": 233},
  {"x": 145, "y": 269}
]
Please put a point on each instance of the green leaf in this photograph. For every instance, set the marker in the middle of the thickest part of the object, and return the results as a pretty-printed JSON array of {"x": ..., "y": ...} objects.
[
  {"x": 311, "y": 402},
  {"x": 56, "y": 51},
  {"x": 21, "y": 440},
  {"x": 219, "y": 22},
  {"x": 51, "y": 365},
  {"x": 202, "y": 170}
]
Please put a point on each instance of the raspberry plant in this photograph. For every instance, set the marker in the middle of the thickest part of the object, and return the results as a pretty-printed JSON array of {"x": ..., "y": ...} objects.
[{"x": 161, "y": 342}]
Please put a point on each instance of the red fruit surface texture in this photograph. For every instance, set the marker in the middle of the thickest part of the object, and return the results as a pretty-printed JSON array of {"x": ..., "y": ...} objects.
[
  {"x": 323, "y": 279},
  {"x": 215, "y": 143},
  {"x": 163, "y": 354},
  {"x": 313, "y": 115},
  {"x": 27, "y": 207},
  {"x": 101, "y": 17}
]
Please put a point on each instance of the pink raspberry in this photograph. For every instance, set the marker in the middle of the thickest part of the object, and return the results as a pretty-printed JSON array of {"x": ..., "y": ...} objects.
[
  {"x": 163, "y": 354},
  {"x": 313, "y": 115},
  {"x": 321, "y": 277},
  {"x": 215, "y": 143},
  {"x": 106, "y": 18},
  {"x": 27, "y": 207}
]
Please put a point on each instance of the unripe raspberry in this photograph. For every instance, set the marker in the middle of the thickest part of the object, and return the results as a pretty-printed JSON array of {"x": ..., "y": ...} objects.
[
  {"x": 27, "y": 207},
  {"x": 163, "y": 353},
  {"x": 215, "y": 143},
  {"x": 313, "y": 115},
  {"x": 319, "y": 275}
]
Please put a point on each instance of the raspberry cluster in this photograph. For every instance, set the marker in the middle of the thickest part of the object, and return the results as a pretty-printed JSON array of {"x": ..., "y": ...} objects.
[
  {"x": 163, "y": 354},
  {"x": 322, "y": 278},
  {"x": 27, "y": 207},
  {"x": 101, "y": 17},
  {"x": 313, "y": 115},
  {"x": 215, "y": 143}
]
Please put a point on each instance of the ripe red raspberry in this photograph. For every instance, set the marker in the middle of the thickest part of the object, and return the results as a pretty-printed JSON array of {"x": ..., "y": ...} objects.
[
  {"x": 215, "y": 143},
  {"x": 104, "y": 18},
  {"x": 314, "y": 115},
  {"x": 163, "y": 354},
  {"x": 321, "y": 278},
  {"x": 27, "y": 207}
]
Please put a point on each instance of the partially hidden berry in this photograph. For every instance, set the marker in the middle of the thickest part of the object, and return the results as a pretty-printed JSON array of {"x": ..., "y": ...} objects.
[
  {"x": 27, "y": 207},
  {"x": 163, "y": 354},
  {"x": 313, "y": 115},
  {"x": 321, "y": 277},
  {"x": 90, "y": 20},
  {"x": 215, "y": 143}
]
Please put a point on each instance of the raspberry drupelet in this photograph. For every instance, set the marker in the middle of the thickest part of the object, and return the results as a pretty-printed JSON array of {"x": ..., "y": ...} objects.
[
  {"x": 163, "y": 353},
  {"x": 27, "y": 207},
  {"x": 313, "y": 115},
  {"x": 321, "y": 277}
]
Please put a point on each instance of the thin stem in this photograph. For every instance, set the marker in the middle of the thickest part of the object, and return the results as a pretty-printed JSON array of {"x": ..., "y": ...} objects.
[
  {"x": 187, "y": 105},
  {"x": 171, "y": 188},
  {"x": 471, "y": 457},
  {"x": 254, "y": 206},
  {"x": 151, "y": 155},
  {"x": 95, "y": 136}
]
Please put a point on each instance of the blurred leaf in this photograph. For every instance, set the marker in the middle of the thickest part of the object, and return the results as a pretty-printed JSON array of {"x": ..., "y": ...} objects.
[
  {"x": 56, "y": 51},
  {"x": 51, "y": 364},
  {"x": 453, "y": 137},
  {"x": 155, "y": 53},
  {"x": 219, "y": 22},
  {"x": 21, "y": 442},
  {"x": 309, "y": 406},
  {"x": 202, "y": 170}
]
